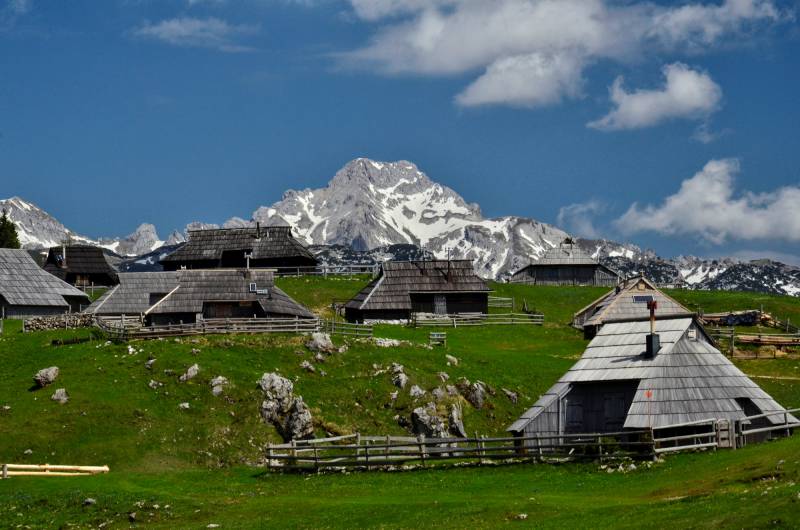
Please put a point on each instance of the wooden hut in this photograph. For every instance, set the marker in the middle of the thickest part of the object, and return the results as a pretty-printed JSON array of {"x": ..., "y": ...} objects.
[
  {"x": 188, "y": 296},
  {"x": 27, "y": 290},
  {"x": 566, "y": 264},
  {"x": 620, "y": 383},
  {"x": 254, "y": 247},
  {"x": 627, "y": 300},
  {"x": 405, "y": 287},
  {"x": 82, "y": 265}
]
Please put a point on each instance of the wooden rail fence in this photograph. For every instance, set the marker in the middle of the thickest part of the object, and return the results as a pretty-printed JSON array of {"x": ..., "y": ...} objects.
[
  {"x": 126, "y": 328},
  {"x": 476, "y": 319},
  {"x": 376, "y": 452},
  {"x": 368, "y": 452},
  {"x": 501, "y": 302},
  {"x": 329, "y": 270}
]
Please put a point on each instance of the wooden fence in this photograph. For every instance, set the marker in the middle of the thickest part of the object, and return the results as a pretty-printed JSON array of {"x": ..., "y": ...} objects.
[
  {"x": 126, "y": 328},
  {"x": 476, "y": 319},
  {"x": 368, "y": 452},
  {"x": 49, "y": 470},
  {"x": 501, "y": 302},
  {"x": 329, "y": 270},
  {"x": 335, "y": 327},
  {"x": 376, "y": 452},
  {"x": 726, "y": 339}
]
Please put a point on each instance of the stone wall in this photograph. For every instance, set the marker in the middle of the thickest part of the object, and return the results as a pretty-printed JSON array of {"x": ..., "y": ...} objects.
[{"x": 71, "y": 320}]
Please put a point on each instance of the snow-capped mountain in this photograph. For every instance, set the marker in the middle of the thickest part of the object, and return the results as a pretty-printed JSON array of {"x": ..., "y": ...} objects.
[
  {"x": 371, "y": 204},
  {"x": 371, "y": 211},
  {"x": 37, "y": 229}
]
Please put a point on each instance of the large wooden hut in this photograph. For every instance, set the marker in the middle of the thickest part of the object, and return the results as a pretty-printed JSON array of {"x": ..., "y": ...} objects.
[
  {"x": 628, "y": 300},
  {"x": 27, "y": 290},
  {"x": 405, "y": 287},
  {"x": 253, "y": 247},
  {"x": 82, "y": 265},
  {"x": 566, "y": 264},
  {"x": 188, "y": 296},
  {"x": 623, "y": 383}
]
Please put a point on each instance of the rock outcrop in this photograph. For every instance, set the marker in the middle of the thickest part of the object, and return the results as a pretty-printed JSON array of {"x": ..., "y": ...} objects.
[{"x": 286, "y": 412}]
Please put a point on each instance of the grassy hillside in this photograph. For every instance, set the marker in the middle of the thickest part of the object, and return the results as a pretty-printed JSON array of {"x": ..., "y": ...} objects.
[{"x": 198, "y": 461}]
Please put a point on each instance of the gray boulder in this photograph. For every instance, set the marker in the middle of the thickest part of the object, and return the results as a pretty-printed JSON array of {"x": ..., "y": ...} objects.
[
  {"x": 426, "y": 421},
  {"x": 456, "y": 421},
  {"x": 299, "y": 423},
  {"x": 474, "y": 393},
  {"x": 191, "y": 373},
  {"x": 416, "y": 392},
  {"x": 46, "y": 376},
  {"x": 60, "y": 395},
  {"x": 321, "y": 342},
  {"x": 218, "y": 385}
]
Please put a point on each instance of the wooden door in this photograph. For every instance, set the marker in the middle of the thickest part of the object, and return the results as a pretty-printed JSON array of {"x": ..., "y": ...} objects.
[{"x": 440, "y": 304}]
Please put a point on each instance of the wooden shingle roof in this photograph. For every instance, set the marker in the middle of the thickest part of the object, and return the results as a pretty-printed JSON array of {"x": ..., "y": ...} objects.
[
  {"x": 80, "y": 259},
  {"x": 687, "y": 380},
  {"x": 132, "y": 295},
  {"x": 24, "y": 283},
  {"x": 566, "y": 254},
  {"x": 265, "y": 242},
  {"x": 398, "y": 279},
  {"x": 628, "y": 301},
  {"x": 195, "y": 287},
  {"x": 185, "y": 291}
]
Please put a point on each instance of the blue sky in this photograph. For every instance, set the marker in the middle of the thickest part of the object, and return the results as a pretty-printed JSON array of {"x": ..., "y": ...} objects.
[{"x": 671, "y": 125}]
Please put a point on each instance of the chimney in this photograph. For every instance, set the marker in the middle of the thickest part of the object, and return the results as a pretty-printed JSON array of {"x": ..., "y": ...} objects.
[
  {"x": 258, "y": 229},
  {"x": 653, "y": 341},
  {"x": 63, "y": 255}
]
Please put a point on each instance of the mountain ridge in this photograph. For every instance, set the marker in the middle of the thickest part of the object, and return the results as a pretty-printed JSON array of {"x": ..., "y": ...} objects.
[{"x": 371, "y": 206}]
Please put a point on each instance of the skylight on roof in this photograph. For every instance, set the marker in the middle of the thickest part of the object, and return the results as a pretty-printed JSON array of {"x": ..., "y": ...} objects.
[{"x": 642, "y": 299}]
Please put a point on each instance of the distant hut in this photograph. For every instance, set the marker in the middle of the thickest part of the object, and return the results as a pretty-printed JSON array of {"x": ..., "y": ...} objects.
[
  {"x": 566, "y": 264},
  {"x": 27, "y": 290},
  {"x": 620, "y": 383},
  {"x": 188, "y": 296},
  {"x": 265, "y": 247},
  {"x": 406, "y": 287},
  {"x": 82, "y": 265},
  {"x": 627, "y": 300}
]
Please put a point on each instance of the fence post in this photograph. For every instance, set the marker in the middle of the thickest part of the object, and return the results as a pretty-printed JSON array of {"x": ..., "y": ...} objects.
[
  {"x": 386, "y": 452},
  {"x": 5, "y": 470},
  {"x": 421, "y": 444},
  {"x": 316, "y": 458},
  {"x": 269, "y": 455}
]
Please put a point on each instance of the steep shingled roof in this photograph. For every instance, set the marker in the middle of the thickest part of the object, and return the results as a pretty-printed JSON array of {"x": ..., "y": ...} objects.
[
  {"x": 195, "y": 287},
  {"x": 80, "y": 259},
  {"x": 687, "y": 380},
  {"x": 627, "y": 301},
  {"x": 266, "y": 242},
  {"x": 185, "y": 291},
  {"x": 398, "y": 279},
  {"x": 24, "y": 283},
  {"x": 132, "y": 295}
]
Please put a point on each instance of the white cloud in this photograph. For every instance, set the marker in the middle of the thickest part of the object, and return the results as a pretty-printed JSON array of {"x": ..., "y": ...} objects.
[
  {"x": 509, "y": 40},
  {"x": 578, "y": 218},
  {"x": 195, "y": 32},
  {"x": 530, "y": 80},
  {"x": 687, "y": 93},
  {"x": 706, "y": 205}
]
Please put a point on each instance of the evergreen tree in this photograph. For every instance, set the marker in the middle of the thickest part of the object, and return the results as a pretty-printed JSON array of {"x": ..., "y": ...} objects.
[{"x": 8, "y": 232}]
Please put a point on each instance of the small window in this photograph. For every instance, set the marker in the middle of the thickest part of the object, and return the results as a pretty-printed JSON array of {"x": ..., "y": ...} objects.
[
  {"x": 692, "y": 334},
  {"x": 253, "y": 287},
  {"x": 642, "y": 299}
]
